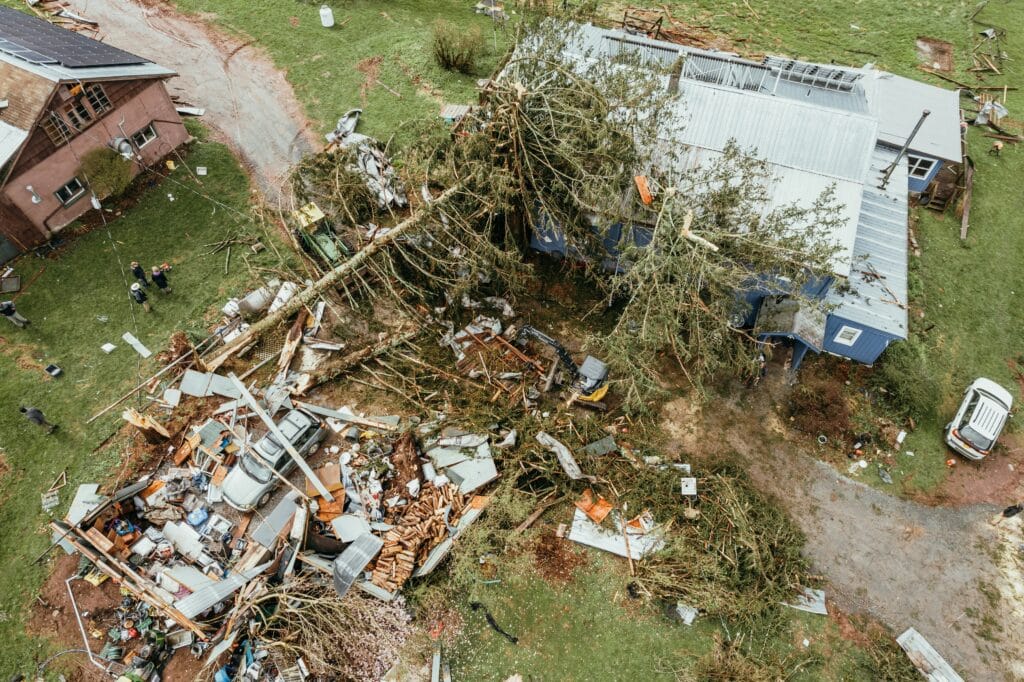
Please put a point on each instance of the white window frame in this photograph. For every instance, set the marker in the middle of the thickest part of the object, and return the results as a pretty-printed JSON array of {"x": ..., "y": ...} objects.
[
  {"x": 73, "y": 197},
  {"x": 148, "y": 134},
  {"x": 845, "y": 331},
  {"x": 920, "y": 167}
]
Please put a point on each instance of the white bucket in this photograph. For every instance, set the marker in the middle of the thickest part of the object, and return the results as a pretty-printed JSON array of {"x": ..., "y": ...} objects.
[{"x": 326, "y": 16}]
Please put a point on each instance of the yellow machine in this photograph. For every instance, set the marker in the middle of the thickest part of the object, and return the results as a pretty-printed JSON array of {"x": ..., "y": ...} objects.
[{"x": 589, "y": 381}]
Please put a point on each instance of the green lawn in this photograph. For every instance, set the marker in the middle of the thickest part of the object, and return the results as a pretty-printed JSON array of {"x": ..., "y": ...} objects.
[
  {"x": 65, "y": 296},
  {"x": 323, "y": 65},
  {"x": 588, "y": 628}
]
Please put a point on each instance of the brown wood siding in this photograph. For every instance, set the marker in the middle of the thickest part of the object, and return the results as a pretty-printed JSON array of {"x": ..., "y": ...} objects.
[
  {"x": 39, "y": 146},
  {"x": 26, "y": 95}
]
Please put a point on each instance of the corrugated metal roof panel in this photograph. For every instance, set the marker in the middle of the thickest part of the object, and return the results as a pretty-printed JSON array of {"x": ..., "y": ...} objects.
[
  {"x": 214, "y": 593},
  {"x": 11, "y": 139},
  {"x": 898, "y": 103},
  {"x": 877, "y": 296},
  {"x": 784, "y": 132}
]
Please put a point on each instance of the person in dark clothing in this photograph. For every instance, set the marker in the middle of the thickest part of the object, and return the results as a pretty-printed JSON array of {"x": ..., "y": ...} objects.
[
  {"x": 160, "y": 279},
  {"x": 140, "y": 297},
  {"x": 139, "y": 273},
  {"x": 8, "y": 310},
  {"x": 36, "y": 416}
]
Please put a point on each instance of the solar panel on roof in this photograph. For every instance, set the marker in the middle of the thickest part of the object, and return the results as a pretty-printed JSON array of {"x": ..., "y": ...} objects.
[{"x": 40, "y": 42}]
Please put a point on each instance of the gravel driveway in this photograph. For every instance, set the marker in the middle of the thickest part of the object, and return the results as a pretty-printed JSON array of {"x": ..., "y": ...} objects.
[
  {"x": 248, "y": 102},
  {"x": 945, "y": 571}
]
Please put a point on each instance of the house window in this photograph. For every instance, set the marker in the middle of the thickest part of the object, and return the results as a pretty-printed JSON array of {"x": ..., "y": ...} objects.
[
  {"x": 144, "y": 136},
  {"x": 98, "y": 99},
  {"x": 56, "y": 128},
  {"x": 78, "y": 115},
  {"x": 847, "y": 335},
  {"x": 70, "y": 192},
  {"x": 919, "y": 166},
  {"x": 87, "y": 105}
]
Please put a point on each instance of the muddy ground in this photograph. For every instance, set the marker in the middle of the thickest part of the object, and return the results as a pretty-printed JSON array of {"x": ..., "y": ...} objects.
[
  {"x": 249, "y": 103},
  {"x": 944, "y": 570}
]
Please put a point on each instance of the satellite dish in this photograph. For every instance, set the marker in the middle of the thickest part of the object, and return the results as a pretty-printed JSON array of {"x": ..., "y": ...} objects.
[{"x": 123, "y": 147}]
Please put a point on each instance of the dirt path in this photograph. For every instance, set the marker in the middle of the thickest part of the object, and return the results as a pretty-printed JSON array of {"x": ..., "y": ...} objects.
[
  {"x": 248, "y": 102},
  {"x": 945, "y": 571}
]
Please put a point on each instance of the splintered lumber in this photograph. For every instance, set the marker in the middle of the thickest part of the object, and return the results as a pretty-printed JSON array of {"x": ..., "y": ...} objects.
[
  {"x": 151, "y": 429},
  {"x": 351, "y": 360},
  {"x": 331, "y": 279},
  {"x": 968, "y": 190},
  {"x": 291, "y": 343}
]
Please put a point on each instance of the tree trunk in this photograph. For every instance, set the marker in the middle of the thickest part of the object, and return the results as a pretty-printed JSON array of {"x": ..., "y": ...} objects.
[{"x": 329, "y": 280}]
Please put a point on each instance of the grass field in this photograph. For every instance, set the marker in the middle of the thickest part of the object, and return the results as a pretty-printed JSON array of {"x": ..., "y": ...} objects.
[
  {"x": 329, "y": 67},
  {"x": 78, "y": 300},
  {"x": 588, "y": 628}
]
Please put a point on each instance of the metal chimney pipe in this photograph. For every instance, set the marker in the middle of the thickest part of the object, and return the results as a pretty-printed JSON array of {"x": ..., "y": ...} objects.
[{"x": 903, "y": 150}]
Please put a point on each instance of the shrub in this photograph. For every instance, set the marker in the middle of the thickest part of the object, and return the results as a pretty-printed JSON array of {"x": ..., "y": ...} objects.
[
  {"x": 456, "y": 48},
  {"x": 107, "y": 172},
  {"x": 907, "y": 380}
]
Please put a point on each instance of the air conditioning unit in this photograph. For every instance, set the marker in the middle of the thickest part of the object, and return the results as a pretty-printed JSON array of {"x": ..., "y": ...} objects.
[{"x": 123, "y": 146}]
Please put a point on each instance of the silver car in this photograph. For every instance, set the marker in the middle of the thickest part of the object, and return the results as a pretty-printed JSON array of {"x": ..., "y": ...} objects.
[
  {"x": 980, "y": 419},
  {"x": 251, "y": 482}
]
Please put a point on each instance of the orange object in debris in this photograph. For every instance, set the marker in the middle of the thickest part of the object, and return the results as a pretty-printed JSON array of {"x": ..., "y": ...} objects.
[
  {"x": 951, "y": 462},
  {"x": 644, "y": 189},
  {"x": 595, "y": 510},
  {"x": 326, "y": 511},
  {"x": 219, "y": 474}
]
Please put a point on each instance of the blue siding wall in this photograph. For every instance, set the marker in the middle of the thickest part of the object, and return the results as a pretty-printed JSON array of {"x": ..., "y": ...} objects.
[
  {"x": 868, "y": 346},
  {"x": 921, "y": 184}
]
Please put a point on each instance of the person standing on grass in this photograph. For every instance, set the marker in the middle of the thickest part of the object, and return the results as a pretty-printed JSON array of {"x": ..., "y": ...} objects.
[
  {"x": 160, "y": 279},
  {"x": 140, "y": 297},
  {"x": 36, "y": 416},
  {"x": 8, "y": 310},
  {"x": 139, "y": 273}
]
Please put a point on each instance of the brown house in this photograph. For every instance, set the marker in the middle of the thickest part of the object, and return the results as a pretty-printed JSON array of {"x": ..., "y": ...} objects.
[{"x": 62, "y": 95}]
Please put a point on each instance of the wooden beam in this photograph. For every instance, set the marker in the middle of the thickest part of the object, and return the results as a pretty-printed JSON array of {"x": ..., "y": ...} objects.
[
  {"x": 289, "y": 448},
  {"x": 968, "y": 190}
]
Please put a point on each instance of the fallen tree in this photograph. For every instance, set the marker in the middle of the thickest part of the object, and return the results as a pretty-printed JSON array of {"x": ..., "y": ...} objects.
[{"x": 332, "y": 279}]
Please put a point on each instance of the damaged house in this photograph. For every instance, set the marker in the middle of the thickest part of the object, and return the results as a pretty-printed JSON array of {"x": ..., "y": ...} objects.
[
  {"x": 63, "y": 95},
  {"x": 817, "y": 127}
]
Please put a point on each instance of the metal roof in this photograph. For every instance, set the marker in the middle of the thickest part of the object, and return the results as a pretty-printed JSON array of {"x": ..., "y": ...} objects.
[
  {"x": 898, "y": 103},
  {"x": 35, "y": 40},
  {"x": 11, "y": 139},
  {"x": 809, "y": 149},
  {"x": 877, "y": 286},
  {"x": 785, "y": 316},
  {"x": 784, "y": 132}
]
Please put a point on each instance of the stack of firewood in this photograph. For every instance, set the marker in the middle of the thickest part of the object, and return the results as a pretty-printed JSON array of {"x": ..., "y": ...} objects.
[{"x": 420, "y": 528}]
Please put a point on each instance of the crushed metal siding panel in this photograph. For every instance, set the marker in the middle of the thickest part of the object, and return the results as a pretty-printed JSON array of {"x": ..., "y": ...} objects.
[
  {"x": 211, "y": 595},
  {"x": 879, "y": 302},
  {"x": 350, "y": 563},
  {"x": 925, "y": 658}
]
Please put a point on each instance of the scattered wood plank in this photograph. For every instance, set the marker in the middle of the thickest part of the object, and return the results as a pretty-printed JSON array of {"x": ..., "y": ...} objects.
[{"x": 968, "y": 190}]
